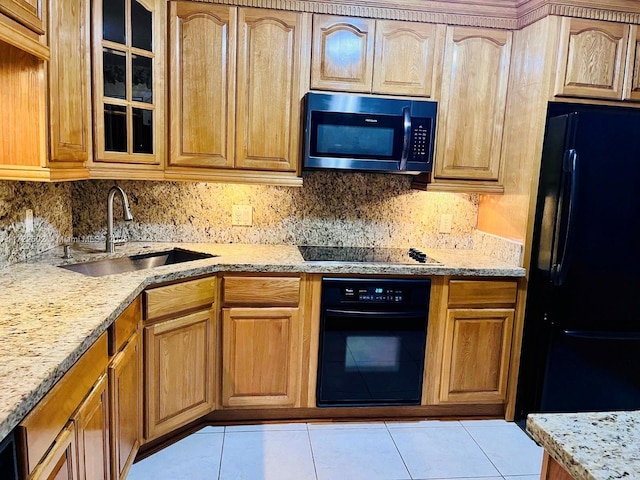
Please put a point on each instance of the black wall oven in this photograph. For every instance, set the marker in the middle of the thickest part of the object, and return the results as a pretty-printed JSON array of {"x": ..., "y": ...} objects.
[{"x": 372, "y": 341}]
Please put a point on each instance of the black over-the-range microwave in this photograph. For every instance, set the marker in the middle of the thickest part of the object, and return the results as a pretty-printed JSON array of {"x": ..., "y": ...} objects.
[{"x": 353, "y": 132}]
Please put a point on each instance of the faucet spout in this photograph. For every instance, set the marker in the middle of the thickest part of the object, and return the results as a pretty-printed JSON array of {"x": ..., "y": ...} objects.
[{"x": 111, "y": 241}]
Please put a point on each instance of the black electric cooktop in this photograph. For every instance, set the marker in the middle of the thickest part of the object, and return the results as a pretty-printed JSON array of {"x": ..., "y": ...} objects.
[{"x": 411, "y": 256}]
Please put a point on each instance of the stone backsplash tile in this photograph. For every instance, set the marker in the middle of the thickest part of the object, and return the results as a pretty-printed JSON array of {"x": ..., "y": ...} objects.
[
  {"x": 330, "y": 209},
  {"x": 51, "y": 205},
  {"x": 508, "y": 251}
]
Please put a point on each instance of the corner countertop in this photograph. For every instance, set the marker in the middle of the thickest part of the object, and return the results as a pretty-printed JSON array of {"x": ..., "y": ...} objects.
[
  {"x": 50, "y": 316},
  {"x": 591, "y": 446}
]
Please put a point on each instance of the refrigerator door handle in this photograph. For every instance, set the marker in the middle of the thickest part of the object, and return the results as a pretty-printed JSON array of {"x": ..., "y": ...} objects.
[
  {"x": 559, "y": 270},
  {"x": 591, "y": 335}
]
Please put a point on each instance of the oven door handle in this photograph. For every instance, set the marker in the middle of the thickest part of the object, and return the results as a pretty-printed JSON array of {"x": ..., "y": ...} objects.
[{"x": 365, "y": 314}]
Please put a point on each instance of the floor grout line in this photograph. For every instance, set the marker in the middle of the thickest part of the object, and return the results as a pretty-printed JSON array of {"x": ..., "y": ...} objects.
[
  {"x": 313, "y": 457},
  {"x": 224, "y": 434},
  {"x": 399, "y": 452}
]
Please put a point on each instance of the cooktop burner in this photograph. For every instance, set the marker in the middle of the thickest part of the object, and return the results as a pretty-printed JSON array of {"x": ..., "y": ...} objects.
[{"x": 365, "y": 254}]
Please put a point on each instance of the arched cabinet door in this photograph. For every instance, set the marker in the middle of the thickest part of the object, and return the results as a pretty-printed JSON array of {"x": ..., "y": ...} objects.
[
  {"x": 591, "y": 59},
  {"x": 406, "y": 58},
  {"x": 342, "y": 53},
  {"x": 270, "y": 84},
  {"x": 202, "y": 53},
  {"x": 473, "y": 101}
]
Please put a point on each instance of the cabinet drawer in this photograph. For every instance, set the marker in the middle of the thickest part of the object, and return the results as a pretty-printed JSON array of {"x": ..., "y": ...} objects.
[
  {"x": 124, "y": 326},
  {"x": 271, "y": 291},
  {"x": 482, "y": 293},
  {"x": 179, "y": 297},
  {"x": 39, "y": 429}
]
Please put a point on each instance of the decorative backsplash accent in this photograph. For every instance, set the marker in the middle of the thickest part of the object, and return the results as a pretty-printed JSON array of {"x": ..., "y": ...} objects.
[
  {"x": 330, "y": 209},
  {"x": 51, "y": 205}
]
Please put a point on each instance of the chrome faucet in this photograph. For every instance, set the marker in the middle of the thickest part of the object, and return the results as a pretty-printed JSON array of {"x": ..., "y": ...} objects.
[{"x": 126, "y": 213}]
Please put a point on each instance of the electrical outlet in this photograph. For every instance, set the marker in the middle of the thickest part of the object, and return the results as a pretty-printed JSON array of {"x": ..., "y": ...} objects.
[
  {"x": 28, "y": 220},
  {"x": 242, "y": 215},
  {"x": 446, "y": 221}
]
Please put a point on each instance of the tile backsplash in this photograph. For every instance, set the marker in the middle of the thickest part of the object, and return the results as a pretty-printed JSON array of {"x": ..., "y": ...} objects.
[
  {"x": 330, "y": 209},
  {"x": 51, "y": 205}
]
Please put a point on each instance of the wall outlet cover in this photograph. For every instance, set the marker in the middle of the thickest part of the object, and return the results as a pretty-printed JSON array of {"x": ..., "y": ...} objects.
[
  {"x": 242, "y": 215},
  {"x": 446, "y": 222},
  {"x": 28, "y": 220}
]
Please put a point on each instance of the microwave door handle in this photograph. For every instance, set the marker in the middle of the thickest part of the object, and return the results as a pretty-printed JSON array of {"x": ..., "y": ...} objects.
[{"x": 407, "y": 133}]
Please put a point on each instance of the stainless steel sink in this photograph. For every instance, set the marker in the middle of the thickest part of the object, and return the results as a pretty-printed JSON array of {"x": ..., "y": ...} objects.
[{"x": 112, "y": 266}]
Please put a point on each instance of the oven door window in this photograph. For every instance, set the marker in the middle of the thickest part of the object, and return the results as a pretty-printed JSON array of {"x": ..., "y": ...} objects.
[
  {"x": 376, "y": 359},
  {"x": 358, "y": 136}
]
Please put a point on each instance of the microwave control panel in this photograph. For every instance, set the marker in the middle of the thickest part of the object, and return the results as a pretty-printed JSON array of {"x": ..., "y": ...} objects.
[{"x": 420, "y": 142}]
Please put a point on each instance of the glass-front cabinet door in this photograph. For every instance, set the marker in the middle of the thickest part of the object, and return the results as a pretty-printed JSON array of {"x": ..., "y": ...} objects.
[{"x": 128, "y": 53}]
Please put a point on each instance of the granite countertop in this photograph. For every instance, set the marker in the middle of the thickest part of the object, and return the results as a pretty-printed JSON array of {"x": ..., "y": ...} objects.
[
  {"x": 50, "y": 316},
  {"x": 591, "y": 446}
]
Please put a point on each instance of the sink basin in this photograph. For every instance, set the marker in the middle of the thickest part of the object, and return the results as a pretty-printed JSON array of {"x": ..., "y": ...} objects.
[{"x": 132, "y": 263}]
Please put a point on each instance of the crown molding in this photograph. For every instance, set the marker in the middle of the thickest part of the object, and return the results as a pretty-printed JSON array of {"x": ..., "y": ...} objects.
[{"x": 503, "y": 14}]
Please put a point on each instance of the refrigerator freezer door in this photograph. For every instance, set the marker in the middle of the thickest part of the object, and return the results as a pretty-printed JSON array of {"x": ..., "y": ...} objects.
[{"x": 592, "y": 371}]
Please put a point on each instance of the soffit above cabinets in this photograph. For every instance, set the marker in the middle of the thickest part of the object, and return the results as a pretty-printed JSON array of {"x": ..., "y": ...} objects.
[{"x": 505, "y": 14}]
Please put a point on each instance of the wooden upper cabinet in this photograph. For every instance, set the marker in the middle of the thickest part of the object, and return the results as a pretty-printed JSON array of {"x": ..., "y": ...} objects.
[
  {"x": 27, "y": 12},
  {"x": 202, "y": 56},
  {"x": 272, "y": 55},
  {"x": 473, "y": 101},
  {"x": 128, "y": 87},
  {"x": 405, "y": 58},
  {"x": 375, "y": 56},
  {"x": 342, "y": 53},
  {"x": 631, "y": 89},
  {"x": 591, "y": 60},
  {"x": 69, "y": 82}
]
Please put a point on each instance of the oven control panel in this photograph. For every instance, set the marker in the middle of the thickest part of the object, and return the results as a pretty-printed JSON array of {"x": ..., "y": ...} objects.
[{"x": 373, "y": 294}]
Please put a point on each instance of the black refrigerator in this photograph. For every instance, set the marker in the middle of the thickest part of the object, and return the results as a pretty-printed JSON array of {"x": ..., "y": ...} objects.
[{"x": 581, "y": 342}]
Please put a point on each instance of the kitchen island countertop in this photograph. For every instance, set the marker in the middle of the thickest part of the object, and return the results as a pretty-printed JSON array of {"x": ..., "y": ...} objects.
[
  {"x": 50, "y": 316},
  {"x": 591, "y": 446}
]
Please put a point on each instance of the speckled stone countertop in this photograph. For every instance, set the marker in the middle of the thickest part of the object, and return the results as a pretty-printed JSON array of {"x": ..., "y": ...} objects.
[
  {"x": 50, "y": 316},
  {"x": 591, "y": 446}
]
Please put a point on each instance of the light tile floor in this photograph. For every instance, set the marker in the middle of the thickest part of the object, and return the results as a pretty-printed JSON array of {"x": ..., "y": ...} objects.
[{"x": 425, "y": 450}]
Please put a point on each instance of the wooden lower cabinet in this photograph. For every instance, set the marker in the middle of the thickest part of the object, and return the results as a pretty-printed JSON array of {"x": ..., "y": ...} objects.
[
  {"x": 261, "y": 357},
  {"x": 477, "y": 348},
  {"x": 179, "y": 371},
  {"x": 60, "y": 462},
  {"x": 125, "y": 385},
  {"x": 92, "y": 434}
]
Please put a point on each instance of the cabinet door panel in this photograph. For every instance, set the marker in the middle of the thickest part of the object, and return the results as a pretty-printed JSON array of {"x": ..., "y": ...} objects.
[
  {"x": 405, "y": 56},
  {"x": 60, "y": 462},
  {"x": 474, "y": 92},
  {"x": 69, "y": 81},
  {"x": 260, "y": 357},
  {"x": 27, "y": 12},
  {"x": 270, "y": 53},
  {"x": 92, "y": 427},
  {"x": 591, "y": 58},
  {"x": 179, "y": 368},
  {"x": 632, "y": 75},
  {"x": 342, "y": 56},
  {"x": 125, "y": 386},
  {"x": 202, "y": 90},
  {"x": 476, "y": 355}
]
